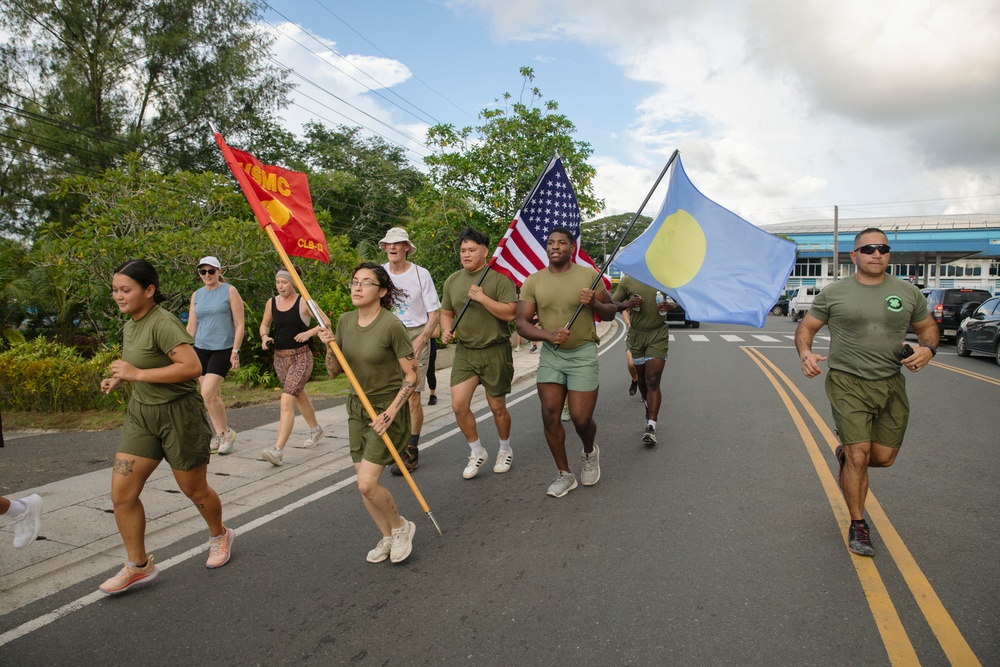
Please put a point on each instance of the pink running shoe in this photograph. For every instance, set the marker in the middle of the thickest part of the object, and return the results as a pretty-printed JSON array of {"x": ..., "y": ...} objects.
[
  {"x": 220, "y": 549},
  {"x": 130, "y": 576}
]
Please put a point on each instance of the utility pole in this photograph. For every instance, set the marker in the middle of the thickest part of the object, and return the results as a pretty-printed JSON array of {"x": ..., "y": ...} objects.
[{"x": 836, "y": 259}]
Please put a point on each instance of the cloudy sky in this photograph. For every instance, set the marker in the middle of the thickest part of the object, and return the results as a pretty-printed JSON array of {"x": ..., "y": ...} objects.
[{"x": 781, "y": 109}]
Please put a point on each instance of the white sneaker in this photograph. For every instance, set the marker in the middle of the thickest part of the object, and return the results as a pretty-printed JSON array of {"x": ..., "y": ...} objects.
[
  {"x": 591, "y": 467},
  {"x": 381, "y": 550},
  {"x": 226, "y": 442},
  {"x": 274, "y": 456},
  {"x": 504, "y": 458},
  {"x": 313, "y": 439},
  {"x": 213, "y": 445},
  {"x": 29, "y": 522},
  {"x": 562, "y": 484},
  {"x": 475, "y": 463},
  {"x": 517, "y": 349},
  {"x": 402, "y": 541}
]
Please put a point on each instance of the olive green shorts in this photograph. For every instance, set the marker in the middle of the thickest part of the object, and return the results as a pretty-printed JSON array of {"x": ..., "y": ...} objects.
[
  {"x": 425, "y": 357},
  {"x": 577, "y": 369},
  {"x": 177, "y": 431},
  {"x": 365, "y": 442},
  {"x": 493, "y": 365},
  {"x": 868, "y": 410},
  {"x": 645, "y": 345}
]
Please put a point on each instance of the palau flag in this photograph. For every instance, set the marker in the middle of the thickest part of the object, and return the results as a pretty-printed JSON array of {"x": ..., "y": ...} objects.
[{"x": 717, "y": 265}]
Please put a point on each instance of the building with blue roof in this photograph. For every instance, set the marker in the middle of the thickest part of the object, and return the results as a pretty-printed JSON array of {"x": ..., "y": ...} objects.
[{"x": 931, "y": 251}]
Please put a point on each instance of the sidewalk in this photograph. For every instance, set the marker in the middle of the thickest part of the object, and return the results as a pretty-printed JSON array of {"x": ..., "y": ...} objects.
[{"x": 80, "y": 536}]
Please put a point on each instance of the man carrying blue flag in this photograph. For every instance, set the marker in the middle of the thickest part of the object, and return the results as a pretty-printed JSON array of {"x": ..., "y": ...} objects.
[{"x": 568, "y": 362}]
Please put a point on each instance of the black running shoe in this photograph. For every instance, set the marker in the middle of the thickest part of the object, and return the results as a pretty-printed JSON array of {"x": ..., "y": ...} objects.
[
  {"x": 858, "y": 540},
  {"x": 410, "y": 460},
  {"x": 649, "y": 437},
  {"x": 634, "y": 387},
  {"x": 433, "y": 400}
]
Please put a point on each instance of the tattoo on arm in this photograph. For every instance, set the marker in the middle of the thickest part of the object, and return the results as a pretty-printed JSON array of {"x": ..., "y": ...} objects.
[
  {"x": 404, "y": 394},
  {"x": 123, "y": 467}
]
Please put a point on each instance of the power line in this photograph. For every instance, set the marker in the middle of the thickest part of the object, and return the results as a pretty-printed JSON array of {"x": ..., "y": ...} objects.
[
  {"x": 369, "y": 88},
  {"x": 359, "y": 110},
  {"x": 375, "y": 46}
]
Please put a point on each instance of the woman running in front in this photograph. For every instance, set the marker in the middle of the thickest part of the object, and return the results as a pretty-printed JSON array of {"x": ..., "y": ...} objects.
[
  {"x": 165, "y": 419},
  {"x": 377, "y": 347}
]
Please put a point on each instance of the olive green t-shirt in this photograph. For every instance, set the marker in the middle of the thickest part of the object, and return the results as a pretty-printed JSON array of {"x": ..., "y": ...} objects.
[
  {"x": 374, "y": 351},
  {"x": 868, "y": 324},
  {"x": 556, "y": 297},
  {"x": 646, "y": 317},
  {"x": 146, "y": 344},
  {"x": 478, "y": 327}
]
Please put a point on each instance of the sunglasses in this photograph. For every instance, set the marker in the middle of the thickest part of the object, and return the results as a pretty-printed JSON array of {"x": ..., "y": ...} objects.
[
  {"x": 207, "y": 272},
  {"x": 363, "y": 284},
  {"x": 872, "y": 247}
]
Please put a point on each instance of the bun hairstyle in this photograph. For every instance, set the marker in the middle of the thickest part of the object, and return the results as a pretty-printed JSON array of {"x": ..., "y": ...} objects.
[
  {"x": 393, "y": 295},
  {"x": 142, "y": 272}
]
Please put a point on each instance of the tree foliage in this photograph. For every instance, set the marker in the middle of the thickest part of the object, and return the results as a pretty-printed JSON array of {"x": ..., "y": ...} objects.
[
  {"x": 496, "y": 163},
  {"x": 364, "y": 182},
  {"x": 89, "y": 81},
  {"x": 599, "y": 236}
]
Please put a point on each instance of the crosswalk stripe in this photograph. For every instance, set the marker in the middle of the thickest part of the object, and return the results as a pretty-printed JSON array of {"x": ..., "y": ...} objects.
[
  {"x": 699, "y": 337},
  {"x": 732, "y": 339},
  {"x": 765, "y": 338}
]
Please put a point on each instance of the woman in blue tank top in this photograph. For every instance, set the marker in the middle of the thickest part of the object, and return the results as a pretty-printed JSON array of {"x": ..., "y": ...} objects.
[{"x": 215, "y": 319}]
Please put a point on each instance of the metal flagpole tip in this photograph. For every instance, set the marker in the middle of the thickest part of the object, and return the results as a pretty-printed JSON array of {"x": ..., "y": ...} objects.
[{"x": 434, "y": 521}]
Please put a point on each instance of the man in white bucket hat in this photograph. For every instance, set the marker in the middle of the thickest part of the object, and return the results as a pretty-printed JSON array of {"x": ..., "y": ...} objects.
[{"x": 418, "y": 312}]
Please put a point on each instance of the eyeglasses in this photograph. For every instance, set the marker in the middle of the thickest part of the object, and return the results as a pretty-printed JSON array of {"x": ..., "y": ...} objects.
[
  {"x": 358, "y": 283},
  {"x": 207, "y": 272},
  {"x": 872, "y": 247}
]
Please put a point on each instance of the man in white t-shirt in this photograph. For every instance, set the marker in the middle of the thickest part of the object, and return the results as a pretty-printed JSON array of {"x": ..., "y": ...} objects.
[{"x": 419, "y": 314}]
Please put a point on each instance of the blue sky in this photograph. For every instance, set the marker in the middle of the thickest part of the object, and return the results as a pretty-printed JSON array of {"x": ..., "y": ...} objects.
[{"x": 781, "y": 109}]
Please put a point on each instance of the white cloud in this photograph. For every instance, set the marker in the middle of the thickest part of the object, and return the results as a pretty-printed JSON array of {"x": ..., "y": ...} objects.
[
  {"x": 337, "y": 88},
  {"x": 781, "y": 105}
]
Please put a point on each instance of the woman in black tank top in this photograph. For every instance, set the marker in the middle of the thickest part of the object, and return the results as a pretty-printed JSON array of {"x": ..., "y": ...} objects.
[{"x": 293, "y": 362}]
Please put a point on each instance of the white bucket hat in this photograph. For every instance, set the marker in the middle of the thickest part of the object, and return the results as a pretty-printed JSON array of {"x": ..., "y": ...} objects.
[{"x": 397, "y": 235}]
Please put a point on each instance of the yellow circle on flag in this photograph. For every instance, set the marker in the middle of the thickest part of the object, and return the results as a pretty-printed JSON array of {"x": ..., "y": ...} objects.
[
  {"x": 279, "y": 212},
  {"x": 677, "y": 252}
]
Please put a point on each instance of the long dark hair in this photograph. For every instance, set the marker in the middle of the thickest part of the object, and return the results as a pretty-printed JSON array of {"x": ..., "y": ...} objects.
[
  {"x": 141, "y": 271},
  {"x": 393, "y": 295}
]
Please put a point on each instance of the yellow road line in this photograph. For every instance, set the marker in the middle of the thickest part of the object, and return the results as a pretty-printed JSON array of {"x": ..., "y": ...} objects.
[
  {"x": 962, "y": 371},
  {"x": 897, "y": 644},
  {"x": 948, "y": 635}
]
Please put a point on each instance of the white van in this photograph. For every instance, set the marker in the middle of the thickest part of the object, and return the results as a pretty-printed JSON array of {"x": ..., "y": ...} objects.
[{"x": 799, "y": 301}]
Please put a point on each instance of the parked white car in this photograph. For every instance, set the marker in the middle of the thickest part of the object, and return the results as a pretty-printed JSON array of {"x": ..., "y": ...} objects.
[{"x": 799, "y": 301}]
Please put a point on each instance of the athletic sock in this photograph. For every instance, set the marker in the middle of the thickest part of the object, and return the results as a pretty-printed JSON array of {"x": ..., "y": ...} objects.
[
  {"x": 505, "y": 445},
  {"x": 16, "y": 508},
  {"x": 414, "y": 439},
  {"x": 651, "y": 422},
  {"x": 477, "y": 448}
]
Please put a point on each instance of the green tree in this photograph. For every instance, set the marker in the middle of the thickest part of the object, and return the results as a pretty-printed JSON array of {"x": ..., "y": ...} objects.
[
  {"x": 602, "y": 234},
  {"x": 89, "y": 81},
  {"x": 364, "y": 182},
  {"x": 15, "y": 292},
  {"x": 171, "y": 220},
  {"x": 496, "y": 163}
]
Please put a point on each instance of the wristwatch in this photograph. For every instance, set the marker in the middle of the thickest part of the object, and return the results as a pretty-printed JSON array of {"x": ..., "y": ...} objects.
[{"x": 932, "y": 349}]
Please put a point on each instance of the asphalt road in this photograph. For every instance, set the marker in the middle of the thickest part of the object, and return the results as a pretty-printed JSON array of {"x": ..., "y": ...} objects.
[{"x": 721, "y": 545}]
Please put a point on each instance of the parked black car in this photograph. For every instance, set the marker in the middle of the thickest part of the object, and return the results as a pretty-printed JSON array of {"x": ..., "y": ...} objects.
[
  {"x": 678, "y": 316},
  {"x": 780, "y": 307},
  {"x": 980, "y": 332},
  {"x": 950, "y": 306}
]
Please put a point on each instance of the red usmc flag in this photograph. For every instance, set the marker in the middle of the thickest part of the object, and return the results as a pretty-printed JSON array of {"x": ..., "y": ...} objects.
[{"x": 280, "y": 198}]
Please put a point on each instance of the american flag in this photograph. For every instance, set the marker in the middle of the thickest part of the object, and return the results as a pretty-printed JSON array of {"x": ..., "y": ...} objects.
[{"x": 551, "y": 204}]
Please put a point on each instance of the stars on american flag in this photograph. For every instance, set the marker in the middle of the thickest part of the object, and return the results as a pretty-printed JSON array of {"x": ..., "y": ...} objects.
[{"x": 552, "y": 205}]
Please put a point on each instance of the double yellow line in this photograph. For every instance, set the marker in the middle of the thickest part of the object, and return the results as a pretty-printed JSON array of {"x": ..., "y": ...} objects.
[
  {"x": 962, "y": 371},
  {"x": 897, "y": 643}
]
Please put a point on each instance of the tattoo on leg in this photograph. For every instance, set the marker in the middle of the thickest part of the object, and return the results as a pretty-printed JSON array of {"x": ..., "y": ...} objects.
[{"x": 123, "y": 467}]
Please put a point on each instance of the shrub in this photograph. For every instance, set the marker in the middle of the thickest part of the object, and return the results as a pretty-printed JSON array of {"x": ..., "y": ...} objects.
[{"x": 45, "y": 376}]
